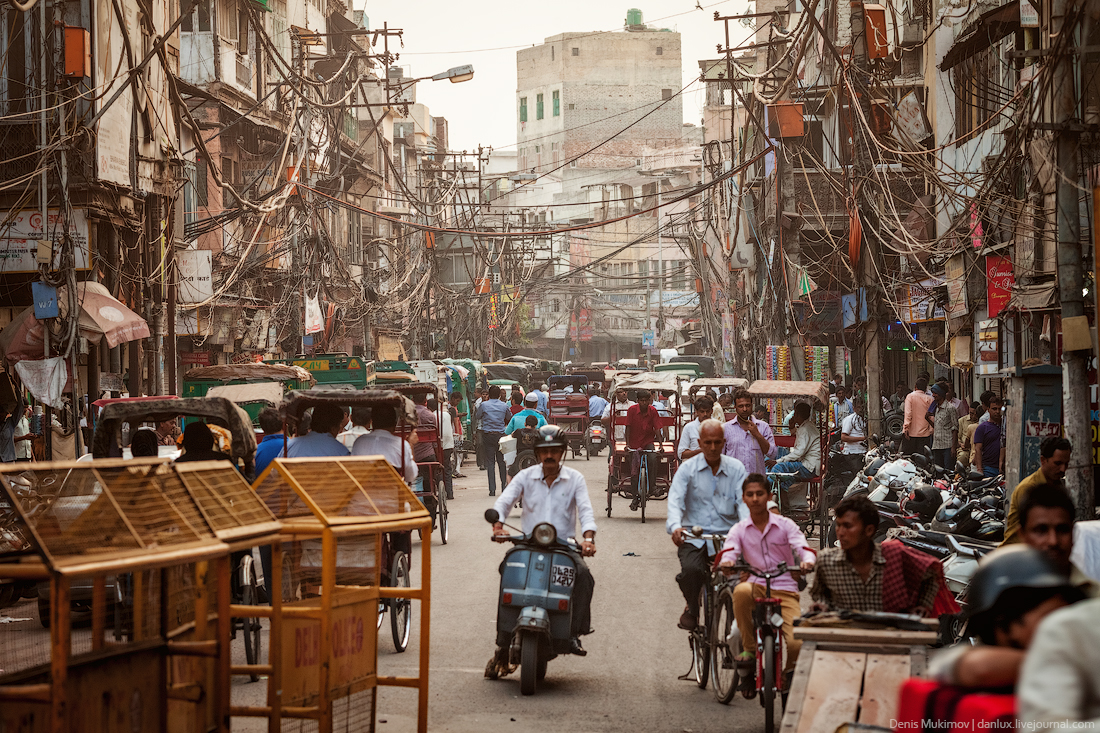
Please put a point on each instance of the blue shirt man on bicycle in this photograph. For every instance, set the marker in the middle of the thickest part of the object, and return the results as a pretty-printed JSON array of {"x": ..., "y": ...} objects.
[{"x": 706, "y": 492}]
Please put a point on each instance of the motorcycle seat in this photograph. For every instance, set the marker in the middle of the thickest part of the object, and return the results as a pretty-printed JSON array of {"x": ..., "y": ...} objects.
[{"x": 890, "y": 506}]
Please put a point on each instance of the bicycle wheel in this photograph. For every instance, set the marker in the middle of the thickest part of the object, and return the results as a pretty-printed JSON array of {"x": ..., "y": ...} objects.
[
  {"x": 443, "y": 514},
  {"x": 610, "y": 491},
  {"x": 400, "y": 608},
  {"x": 767, "y": 697},
  {"x": 643, "y": 486},
  {"x": 250, "y": 596},
  {"x": 725, "y": 646},
  {"x": 700, "y": 642}
]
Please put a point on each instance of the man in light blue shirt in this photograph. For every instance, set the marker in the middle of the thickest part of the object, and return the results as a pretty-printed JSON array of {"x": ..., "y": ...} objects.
[
  {"x": 493, "y": 415},
  {"x": 706, "y": 492},
  {"x": 326, "y": 424},
  {"x": 596, "y": 403},
  {"x": 519, "y": 420},
  {"x": 543, "y": 396}
]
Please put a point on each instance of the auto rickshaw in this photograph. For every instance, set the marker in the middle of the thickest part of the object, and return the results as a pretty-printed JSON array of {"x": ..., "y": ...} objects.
[{"x": 802, "y": 501}]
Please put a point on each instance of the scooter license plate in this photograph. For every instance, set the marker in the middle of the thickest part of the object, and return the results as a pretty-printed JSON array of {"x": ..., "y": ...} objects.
[
  {"x": 597, "y": 440},
  {"x": 562, "y": 575}
]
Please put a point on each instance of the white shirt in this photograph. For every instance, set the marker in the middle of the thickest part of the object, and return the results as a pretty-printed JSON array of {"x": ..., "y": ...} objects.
[
  {"x": 447, "y": 432},
  {"x": 856, "y": 427},
  {"x": 389, "y": 446},
  {"x": 620, "y": 409},
  {"x": 689, "y": 439},
  {"x": 24, "y": 449},
  {"x": 807, "y": 447},
  {"x": 349, "y": 436},
  {"x": 1060, "y": 680},
  {"x": 559, "y": 504}
]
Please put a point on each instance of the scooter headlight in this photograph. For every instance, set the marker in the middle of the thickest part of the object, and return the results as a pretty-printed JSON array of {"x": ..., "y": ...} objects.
[{"x": 545, "y": 534}]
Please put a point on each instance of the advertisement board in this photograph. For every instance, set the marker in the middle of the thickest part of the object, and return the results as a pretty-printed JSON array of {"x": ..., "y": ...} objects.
[{"x": 19, "y": 240}]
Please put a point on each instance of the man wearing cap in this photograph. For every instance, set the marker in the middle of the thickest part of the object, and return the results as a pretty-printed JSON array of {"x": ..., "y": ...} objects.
[
  {"x": 543, "y": 395},
  {"x": 530, "y": 407}
]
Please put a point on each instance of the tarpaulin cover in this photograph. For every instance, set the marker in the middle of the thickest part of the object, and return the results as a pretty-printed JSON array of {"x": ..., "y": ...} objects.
[{"x": 255, "y": 370}]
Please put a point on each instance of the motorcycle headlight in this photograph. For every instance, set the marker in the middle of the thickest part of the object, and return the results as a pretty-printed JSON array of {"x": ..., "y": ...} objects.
[{"x": 545, "y": 534}]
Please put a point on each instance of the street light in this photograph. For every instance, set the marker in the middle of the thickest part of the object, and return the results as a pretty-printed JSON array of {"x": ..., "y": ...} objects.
[{"x": 457, "y": 75}]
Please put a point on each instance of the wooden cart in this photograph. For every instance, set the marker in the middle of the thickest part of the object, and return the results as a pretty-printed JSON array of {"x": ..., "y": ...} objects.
[
  {"x": 336, "y": 514},
  {"x": 848, "y": 675},
  {"x": 124, "y": 543}
]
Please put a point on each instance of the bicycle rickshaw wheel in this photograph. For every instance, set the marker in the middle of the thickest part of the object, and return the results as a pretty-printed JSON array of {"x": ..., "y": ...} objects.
[
  {"x": 610, "y": 491},
  {"x": 250, "y": 596},
  {"x": 643, "y": 486},
  {"x": 767, "y": 698},
  {"x": 700, "y": 644},
  {"x": 723, "y": 650},
  {"x": 444, "y": 534},
  {"x": 400, "y": 608}
]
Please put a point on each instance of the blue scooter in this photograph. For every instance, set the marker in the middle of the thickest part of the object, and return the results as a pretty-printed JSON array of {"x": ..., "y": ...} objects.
[{"x": 535, "y": 609}]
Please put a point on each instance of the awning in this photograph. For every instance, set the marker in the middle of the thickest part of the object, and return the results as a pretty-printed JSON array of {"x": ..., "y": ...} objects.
[
  {"x": 101, "y": 315},
  {"x": 991, "y": 27},
  {"x": 1038, "y": 297}
]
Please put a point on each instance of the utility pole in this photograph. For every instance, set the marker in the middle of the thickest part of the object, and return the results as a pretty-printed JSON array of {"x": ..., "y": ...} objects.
[
  {"x": 873, "y": 353},
  {"x": 1076, "y": 336}
]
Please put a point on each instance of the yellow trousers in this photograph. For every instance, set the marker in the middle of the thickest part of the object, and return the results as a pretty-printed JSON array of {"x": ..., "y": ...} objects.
[{"x": 744, "y": 602}]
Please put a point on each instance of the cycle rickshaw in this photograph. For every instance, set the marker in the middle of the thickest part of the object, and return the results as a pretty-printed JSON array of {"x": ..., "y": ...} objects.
[
  {"x": 107, "y": 443},
  {"x": 664, "y": 462},
  {"x": 719, "y": 385},
  {"x": 432, "y": 491},
  {"x": 802, "y": 502},
  {"x": 568, "y": 407},
  {"x": 396, "y": 546}
]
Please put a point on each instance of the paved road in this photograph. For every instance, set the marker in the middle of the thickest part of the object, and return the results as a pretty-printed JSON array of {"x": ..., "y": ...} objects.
[{"x": 628, "y": 680}]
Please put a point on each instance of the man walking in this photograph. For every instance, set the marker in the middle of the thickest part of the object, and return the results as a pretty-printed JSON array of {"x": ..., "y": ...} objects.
[
  {"x": 945, "y": 428},
  {"x": 493, "y": 415},
  {"x": 917, "y": 428},
  {"x": 989, "y": 450}
]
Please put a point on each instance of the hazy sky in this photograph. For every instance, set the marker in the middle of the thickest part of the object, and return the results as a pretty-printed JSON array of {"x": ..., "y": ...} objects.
[{"x": 487, "y": 33}]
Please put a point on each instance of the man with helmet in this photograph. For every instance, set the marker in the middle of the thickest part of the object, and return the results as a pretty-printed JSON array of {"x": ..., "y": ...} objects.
[
  {"x": 1013, "y": 590},
  {"x": 557, "y": 494}
]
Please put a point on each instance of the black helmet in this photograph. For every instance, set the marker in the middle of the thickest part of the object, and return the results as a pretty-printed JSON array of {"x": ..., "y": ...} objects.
[
  {"x": 551, "y": 436},
  {"x": 874, "y": 466},
  {"x": 922, "y": 501},
  {"x": 1006, "y": 569}
]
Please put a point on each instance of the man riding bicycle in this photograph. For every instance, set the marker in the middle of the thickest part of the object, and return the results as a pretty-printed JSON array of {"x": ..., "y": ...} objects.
[
  {"x": 765, "y": 540},
  {"x": 706, "y": 492},
  {"x": 642, "y": 431}
]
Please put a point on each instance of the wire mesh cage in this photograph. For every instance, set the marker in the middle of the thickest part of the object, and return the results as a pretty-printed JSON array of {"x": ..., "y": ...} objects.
[
  {"x": 126, "y": 575},
  {"x": 346, "y": 524}
]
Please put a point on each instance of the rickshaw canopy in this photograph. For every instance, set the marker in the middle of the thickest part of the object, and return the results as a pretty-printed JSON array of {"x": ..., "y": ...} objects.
[
  {"x": 269, "y": 392},
  {"x": 295, "y": 403},
  {"x": 653, "y": 381},
  {"x": 243, "y": 445},
  {"x": 815, "y": 392},
  {"x": 719, "y": 382},
  {"x": 561, "y": 381}
]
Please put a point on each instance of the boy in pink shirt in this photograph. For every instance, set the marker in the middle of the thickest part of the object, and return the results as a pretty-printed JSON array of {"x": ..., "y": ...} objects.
[{"x": 764, "y": 540}]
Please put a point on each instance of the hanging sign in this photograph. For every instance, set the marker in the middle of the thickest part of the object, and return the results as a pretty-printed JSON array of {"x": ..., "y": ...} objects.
[{"x": 999, "y": 279}]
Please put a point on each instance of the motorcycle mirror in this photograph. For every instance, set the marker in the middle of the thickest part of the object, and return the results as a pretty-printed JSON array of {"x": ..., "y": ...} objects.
[
  {"x": 492, "y": 516},
  {"x": 874, "y": 437}
]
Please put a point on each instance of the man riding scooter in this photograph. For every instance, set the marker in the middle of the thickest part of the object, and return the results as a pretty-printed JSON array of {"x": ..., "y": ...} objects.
[{"x": 554, "y": 494}]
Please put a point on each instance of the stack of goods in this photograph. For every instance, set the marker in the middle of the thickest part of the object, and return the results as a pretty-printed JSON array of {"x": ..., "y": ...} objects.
[
  {"x": 779, "y": 367},
  {"x": 817, "y": 363}
]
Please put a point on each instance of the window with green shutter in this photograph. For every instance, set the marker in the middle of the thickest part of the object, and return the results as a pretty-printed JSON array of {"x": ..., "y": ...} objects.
[
  {"x": 557, "y": 103},
  {"x": 523, "y": 109},
  {"x": 538, "y": 107}
]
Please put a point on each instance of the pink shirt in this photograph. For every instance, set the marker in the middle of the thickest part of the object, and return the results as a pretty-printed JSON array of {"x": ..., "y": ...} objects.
[
  {"x": 916, "y": 415},
  {"x": 781, "y": 541}
]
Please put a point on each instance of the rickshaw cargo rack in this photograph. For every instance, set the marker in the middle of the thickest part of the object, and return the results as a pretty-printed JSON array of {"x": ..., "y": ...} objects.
[{"x": 132, "y": 564}]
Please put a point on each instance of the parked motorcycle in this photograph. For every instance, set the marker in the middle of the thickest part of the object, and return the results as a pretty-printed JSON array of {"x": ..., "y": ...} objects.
[{"x": 535, "y": 606}]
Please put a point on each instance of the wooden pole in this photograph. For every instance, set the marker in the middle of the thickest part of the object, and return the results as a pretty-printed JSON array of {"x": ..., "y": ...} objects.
[
  {"x": 328, "y": 587},
  {"x": 425, "y": 628},
  {"x": 221, "y": 670},
  {"x": 275, "y": 640},
  {"x": 60, "y": 643}
]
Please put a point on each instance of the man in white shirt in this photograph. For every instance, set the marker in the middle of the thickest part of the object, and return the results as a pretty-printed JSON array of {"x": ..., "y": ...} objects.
[
  {"x": 804, "y": 460},
  {"x": 689, "y": 438},
  {"x": 551, "y": 492},
  {"x": 383, "y": 442},
  {"x": 360, "y": 425},
  {"x": 621, "y": 404},
  {"x": 447, "y": 444},
  {"x": 853, "y": 431}
]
